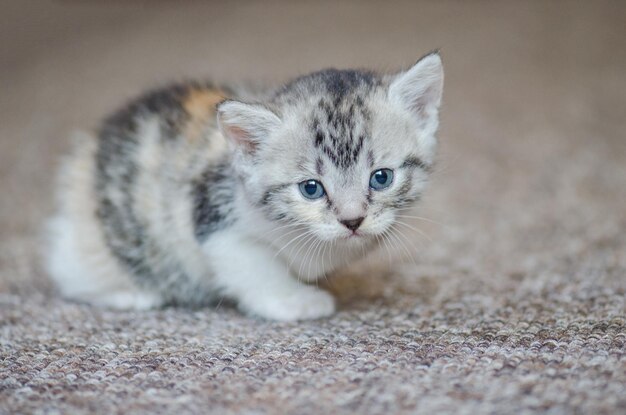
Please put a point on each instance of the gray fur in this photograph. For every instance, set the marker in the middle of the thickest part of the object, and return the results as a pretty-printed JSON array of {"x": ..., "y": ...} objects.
[{"x": 172, "y": 180}]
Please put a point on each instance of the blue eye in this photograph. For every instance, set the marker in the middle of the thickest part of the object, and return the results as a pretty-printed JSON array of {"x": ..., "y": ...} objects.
[
  {"x": 312, "y": 189},
  {"x": 381, "y": 179}
]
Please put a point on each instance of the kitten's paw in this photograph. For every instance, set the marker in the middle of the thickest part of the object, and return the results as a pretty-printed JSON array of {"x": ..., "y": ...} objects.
[
  {"x": 128, "y": 300},
  {"x": 303, "y": 303}
]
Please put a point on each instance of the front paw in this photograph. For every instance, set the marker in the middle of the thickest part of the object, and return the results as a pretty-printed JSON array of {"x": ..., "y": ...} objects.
[{"x": 302, "y": 303}]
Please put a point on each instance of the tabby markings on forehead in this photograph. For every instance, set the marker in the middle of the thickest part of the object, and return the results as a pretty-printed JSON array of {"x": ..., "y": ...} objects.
[
  {"x": 337, "y": 138},
  {"x": 319, "y": 166},
  {"x": 370, "y": 159}
]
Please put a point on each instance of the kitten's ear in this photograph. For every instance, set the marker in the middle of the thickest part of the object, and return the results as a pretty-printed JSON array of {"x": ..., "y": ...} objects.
[
  {"x": 419, "y": 90},
  {"x": 245, "y": 125}
]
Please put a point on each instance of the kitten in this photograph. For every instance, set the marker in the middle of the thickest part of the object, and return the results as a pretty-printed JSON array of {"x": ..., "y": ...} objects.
[{"x": 195, "y": 193}]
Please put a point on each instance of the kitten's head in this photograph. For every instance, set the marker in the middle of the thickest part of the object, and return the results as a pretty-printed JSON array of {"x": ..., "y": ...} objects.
[{"x": 340, "y": 152}]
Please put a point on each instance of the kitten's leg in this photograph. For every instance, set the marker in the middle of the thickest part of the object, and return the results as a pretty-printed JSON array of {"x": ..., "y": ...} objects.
[
  {"x": 85, "y": 270},
  {"x": 261, "y": 284},
  {"x": 127, "y": 300}
]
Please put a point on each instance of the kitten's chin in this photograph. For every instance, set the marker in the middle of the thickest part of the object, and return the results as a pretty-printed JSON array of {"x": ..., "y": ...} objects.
[
  {"x": 346, "y": 238},
  {"x": 357, "y": 239}
]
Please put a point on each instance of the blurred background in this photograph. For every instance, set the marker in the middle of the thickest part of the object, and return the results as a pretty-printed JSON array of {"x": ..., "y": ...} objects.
[
  {"x": 533, "y": 139},
  {"x": 514, "y": 300}
]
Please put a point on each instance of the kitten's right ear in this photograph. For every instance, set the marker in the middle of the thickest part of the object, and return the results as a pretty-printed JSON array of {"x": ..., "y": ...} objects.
[
  {"x": 419, "y": 90},
  {"x": 245, "y": 125}
]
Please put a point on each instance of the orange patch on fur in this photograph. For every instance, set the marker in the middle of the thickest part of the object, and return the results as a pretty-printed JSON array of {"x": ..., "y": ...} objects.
[{"x": 200, "y": 105}]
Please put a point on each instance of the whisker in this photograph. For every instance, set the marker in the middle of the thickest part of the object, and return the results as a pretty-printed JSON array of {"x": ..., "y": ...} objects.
[
  {"x": 306, "y": 243},
  {"x": 420, "y": 209},
  {"x": 333, "y": 243},
  {"x": 314, "y": 257},
  {"x": 308, "y": 256},
  {"x": 332, "y": 249},
  {"x": 219, "y": 304},
  {"x": 415, "y": 229},
  {"x": 391, "y": 244},
  {"x": 400, "y": 243},
  {"x": 363, "y": 252},
  {"x": 326, "y": 244},
  {"x": 409, "y": 242},
  {"x": 421, "y": 218},
  {"x": 386, "y": 247},
  {"x": 289, "y": 225},
  {"x": 291, "y": 241},
  {"x": 301, "y": 245},
  {"x": 287, "y": 234}
]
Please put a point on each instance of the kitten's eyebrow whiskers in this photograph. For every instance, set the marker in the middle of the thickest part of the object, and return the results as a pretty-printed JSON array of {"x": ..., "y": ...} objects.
[{"x": 414, "y": 161}]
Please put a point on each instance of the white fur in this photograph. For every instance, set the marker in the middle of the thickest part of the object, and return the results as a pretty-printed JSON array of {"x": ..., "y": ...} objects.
[
  {"x": 248, "y": 271},
  {"x": 256, "y": 261},
  {"x": 77, "y": 258}
]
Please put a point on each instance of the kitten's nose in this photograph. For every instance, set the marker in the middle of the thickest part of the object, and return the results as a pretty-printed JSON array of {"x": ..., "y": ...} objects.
[{"x": 352, "y": 224}]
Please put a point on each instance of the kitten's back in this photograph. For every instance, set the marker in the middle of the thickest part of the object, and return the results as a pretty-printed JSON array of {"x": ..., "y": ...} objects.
[{"x": 124, "y": 225}]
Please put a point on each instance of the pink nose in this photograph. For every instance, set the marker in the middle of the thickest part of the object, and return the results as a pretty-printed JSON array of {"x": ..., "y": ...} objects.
[{"x": 352, "y": 224}]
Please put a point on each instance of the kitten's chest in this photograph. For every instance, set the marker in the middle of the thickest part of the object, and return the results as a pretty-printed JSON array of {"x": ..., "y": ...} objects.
[{"x": 310, "y": 258}]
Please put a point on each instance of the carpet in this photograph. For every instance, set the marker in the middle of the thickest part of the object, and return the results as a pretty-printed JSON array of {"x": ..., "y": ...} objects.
[{"x": 510, "y": 297}]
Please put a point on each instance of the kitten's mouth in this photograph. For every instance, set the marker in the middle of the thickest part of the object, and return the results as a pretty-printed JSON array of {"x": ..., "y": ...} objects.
[
  {"x": 349, "y": 237},
  {"x": 355, "y": 235}
]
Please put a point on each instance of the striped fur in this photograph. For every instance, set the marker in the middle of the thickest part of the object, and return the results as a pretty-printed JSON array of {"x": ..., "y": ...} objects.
[{"x": 181, "y": 200}]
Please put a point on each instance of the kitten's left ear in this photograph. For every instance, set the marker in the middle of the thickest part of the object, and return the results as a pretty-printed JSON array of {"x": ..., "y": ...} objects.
[
  {"x": 246, "y": 125},
  {"x": 419, "y": 90}
]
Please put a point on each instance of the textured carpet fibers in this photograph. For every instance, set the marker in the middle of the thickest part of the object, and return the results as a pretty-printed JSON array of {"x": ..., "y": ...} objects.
[{"x": 512, "y": 300}]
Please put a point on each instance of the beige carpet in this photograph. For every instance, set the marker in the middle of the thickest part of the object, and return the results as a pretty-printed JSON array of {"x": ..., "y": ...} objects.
[{"x": 515, "y": 303}]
